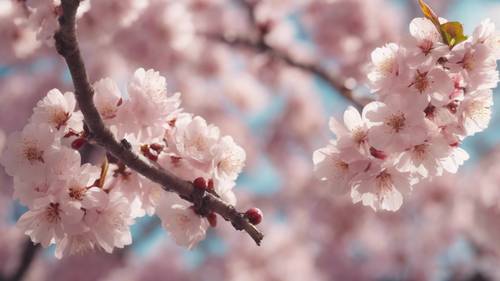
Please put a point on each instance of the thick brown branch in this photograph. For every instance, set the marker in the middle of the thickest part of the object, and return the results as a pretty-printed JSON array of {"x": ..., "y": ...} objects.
[{"x": 67, "y": 46}]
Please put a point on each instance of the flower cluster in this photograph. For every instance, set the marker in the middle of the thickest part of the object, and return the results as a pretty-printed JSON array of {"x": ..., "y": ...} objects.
[
  {"x": 80, "y": 207},
  {"x": 43, "y": 16},
  {"x": 431, "y": 95}
]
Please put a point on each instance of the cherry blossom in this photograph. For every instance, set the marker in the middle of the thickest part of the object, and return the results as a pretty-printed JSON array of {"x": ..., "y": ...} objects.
[
  {"x": 180, "y": 220},
  {"x": 44, "y": 18},
  {"x": 255, "y": 111},
  {"x": 387, "y": 64},
  {"x": 81, "y": 206},
  {"x": 57, "y": 110},
  {"x": 110, "y": 221},
  {"x": 107, "y": 98},
  {"x": 427, "y": 41},
  {"x": 26, "y": 152},
  {"x": 148, "y": 107},
  {"x": 431, "y": 96},
  {"x": 50, "y": 219},
  {"x": 228, "y": 160},
  {"x": 395, "y": 128},
  {"x": 381, "y": 186}
]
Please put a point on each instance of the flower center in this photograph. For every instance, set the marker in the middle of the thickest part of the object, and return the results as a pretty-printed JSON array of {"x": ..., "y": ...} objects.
[
  {"x": 200, "y": 144},
  {"x": 387, "y": 65},
  {"x": 420, "y": 150},
  {"x": 108, "y": 112},
  {"x": 396, "y": 121},
  {"x": 341, "y": 165},
  {"x": 384, "y": 181},
  {"x": 32, "y": 153},
  {"x": 52, "y": 213},
  {"x": 228, "y": 164},
  {"x": 468, "y": 62},
  {"x": 59, "y": 118},
  {"x": 359, "y": 136},
  {"x": 426, "y": 46},
  {"x": 421, "y": 83},
  {"x": 77, "y": 192}
]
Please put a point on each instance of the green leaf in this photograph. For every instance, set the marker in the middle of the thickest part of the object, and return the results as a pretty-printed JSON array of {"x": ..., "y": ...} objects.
[{"x": 453, "y": 33}]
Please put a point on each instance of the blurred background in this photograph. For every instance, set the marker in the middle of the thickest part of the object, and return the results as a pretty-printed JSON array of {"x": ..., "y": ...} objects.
[{"x": 270, "y": 73}]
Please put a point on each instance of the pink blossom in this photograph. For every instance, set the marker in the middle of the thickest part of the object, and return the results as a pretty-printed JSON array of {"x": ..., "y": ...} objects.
[
  {"x": 136, "y": 187},
  {"x": 44, "y": 18},
  {"x": 57, "y": 110},
  {"x": 338, "y": 166},
  {"x": 395, "y": 128},
  {"x": 427, "y": 43},
  {"x": 148, "y": 107},
  {"x": 27, "y": 151},
  {"x": 381, "y": 186},
  {"x": 182, "y": 167},
  {"x": 75, "y": 244},
  {"x": 228, "y": 160},
  {"x": 434, "y": 84},
  {"x": 18, "y": 41},
  {"x": 77, "y": 186},
  {"x": 431, "y": 96},
  {"x": 107, "y": 98},
  {"x": 387, "y": 66},
  {"x": 110, "y": 221},
  {"x": 182, "y": 223},
  {"x": 426, "y": 159},
  {"x": 194, "y": 139},
  {"x": 476, "y": 63},
  {"x": 50, "y": 219},
  {"x": 475, "y": 111},
  {"x": 354, "y": 132},
  {"x": 62, "y": 163}
]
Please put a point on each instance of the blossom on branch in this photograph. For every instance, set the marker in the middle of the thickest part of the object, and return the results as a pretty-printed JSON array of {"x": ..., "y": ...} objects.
[
  {"x": 431, "y": 95},
  {"x": 81, "y": 207}
]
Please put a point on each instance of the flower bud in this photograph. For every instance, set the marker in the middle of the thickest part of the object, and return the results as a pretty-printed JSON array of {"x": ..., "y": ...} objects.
[{"x": 254, "y": 215}]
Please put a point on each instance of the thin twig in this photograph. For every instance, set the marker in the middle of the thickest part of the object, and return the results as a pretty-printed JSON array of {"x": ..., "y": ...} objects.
[
  {"x": 262, "y": 47},
  {"x": 67, "y": 46},
  {"x": 259, "y": 44}
]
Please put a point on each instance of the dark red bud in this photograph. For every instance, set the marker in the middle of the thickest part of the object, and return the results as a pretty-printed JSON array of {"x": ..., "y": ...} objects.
[
  {"x": 210, "y": 184},
  {"x": 200, "y": 183},
  {"x": 254, "y": 215},
  {"x": 78, "y": 143},
  {"x": 156, "y": 147},
  {"x": 429, "y": 111},
  {"x": 212, "y": 219},
  {"x": 152, "y": 157},
  {"x": 377, "y": 153}
]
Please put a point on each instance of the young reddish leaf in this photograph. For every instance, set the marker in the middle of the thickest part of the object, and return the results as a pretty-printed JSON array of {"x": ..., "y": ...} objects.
[
  {"x": 454, "y": 33},
  {"x": 429, "y": 14}
]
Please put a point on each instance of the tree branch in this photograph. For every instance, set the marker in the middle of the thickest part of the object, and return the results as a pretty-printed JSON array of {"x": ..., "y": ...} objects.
[
  {"x": 67, "y": 46},
  {"x": 260, "y": 45}
]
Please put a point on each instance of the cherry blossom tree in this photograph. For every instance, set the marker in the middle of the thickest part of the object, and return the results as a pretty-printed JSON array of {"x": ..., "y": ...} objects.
[{"x": 123, "y": 121}]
